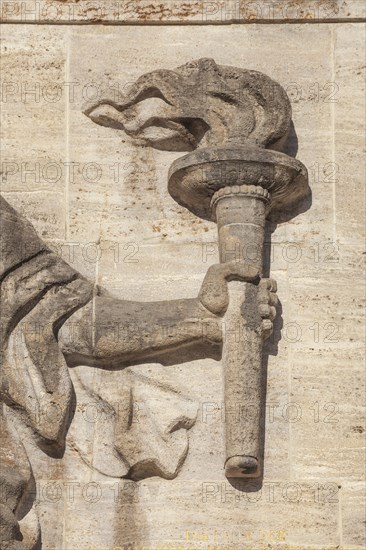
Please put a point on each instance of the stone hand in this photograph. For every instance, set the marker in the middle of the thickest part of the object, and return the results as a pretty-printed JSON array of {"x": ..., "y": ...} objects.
[
  {"x": 214, "y": 295},
  {"x": 267, "y": 301}
]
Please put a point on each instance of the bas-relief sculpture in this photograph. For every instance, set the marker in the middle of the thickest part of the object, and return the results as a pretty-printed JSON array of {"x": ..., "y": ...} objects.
[{"x": 234, "y": 124}]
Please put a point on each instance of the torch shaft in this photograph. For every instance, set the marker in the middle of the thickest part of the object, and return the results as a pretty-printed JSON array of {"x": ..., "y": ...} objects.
[{"x": 241, "y": 224}]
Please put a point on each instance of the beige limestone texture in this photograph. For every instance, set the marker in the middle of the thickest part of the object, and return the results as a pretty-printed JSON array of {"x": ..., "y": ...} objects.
[
  {"x": 115, "y": 222},
  {"x": 180, "y": 11}
]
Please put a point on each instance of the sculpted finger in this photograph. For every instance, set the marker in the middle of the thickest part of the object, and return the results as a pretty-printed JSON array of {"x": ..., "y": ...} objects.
[
  {"x": 267, "y": 328},
  {"x": 263, "y": 294},
  {"x": 272, "y": 313},
  {"x": 264, "y": 311},
  {"x": 273, "y": 299},
  {"x": 271, "y": 285}
]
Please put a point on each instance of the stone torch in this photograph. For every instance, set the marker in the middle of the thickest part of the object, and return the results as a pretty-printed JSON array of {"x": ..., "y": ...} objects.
[
  {"x": 237, "y": 187},
  {"x": 234, "y": 121}
]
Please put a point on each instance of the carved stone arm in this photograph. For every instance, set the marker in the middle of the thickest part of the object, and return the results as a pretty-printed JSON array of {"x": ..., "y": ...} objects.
[{"x": 111, "y": 333}]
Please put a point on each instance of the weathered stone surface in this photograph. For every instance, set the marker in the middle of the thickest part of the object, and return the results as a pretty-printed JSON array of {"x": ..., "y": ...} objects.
[
  {"x": 353, "y": 513},
  {"x": 327, "y": 426},
  {"x": 348, "y": 128},
  {"x": 173, "y": 11},
  {"x": 37, "y": 288},
  {"x": 270, "y": 516},
  {"x": 39, "y": 294},
  {"x": 122, "y": 230}
]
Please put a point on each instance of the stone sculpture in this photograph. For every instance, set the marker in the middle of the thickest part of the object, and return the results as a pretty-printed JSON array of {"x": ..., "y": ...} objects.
[
  {"x": 232, "y": 121},
  {"x": 236, "y": 121}
]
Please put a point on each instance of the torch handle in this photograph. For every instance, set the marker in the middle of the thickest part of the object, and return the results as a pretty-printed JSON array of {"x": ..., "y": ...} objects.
[
  {"x": 242, "y": 357},
  {"x": 240, "y": 217}
]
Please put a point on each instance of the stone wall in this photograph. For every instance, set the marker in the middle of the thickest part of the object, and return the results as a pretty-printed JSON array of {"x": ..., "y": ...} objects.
[{"x": 102, "y": 204}]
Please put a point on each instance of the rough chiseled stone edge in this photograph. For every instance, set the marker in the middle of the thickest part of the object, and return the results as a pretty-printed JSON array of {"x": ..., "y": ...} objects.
[{"x": 181, "y": 12}]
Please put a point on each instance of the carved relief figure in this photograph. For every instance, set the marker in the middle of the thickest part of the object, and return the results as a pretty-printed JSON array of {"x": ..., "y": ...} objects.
[{"x": 37, "y": 286}]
